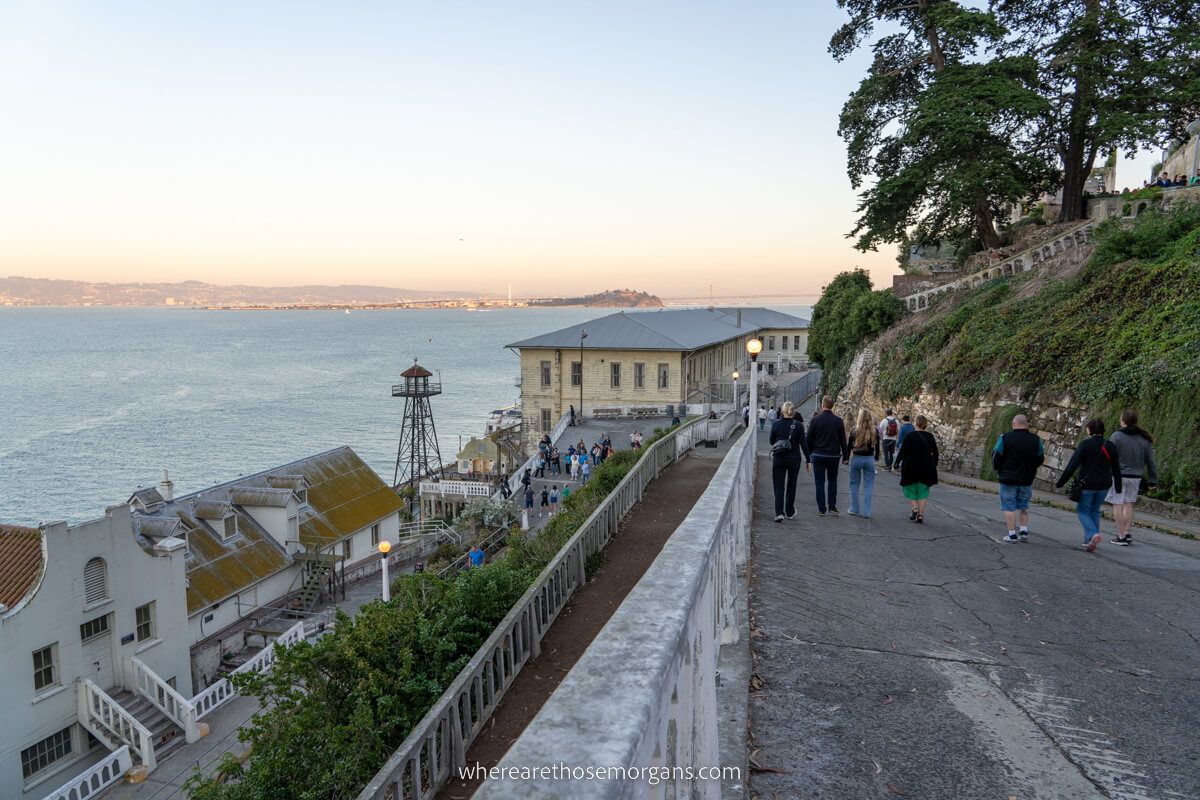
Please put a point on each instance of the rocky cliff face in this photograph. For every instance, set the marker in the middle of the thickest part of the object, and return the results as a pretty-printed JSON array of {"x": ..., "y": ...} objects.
[{"x": 965, "y": 427}]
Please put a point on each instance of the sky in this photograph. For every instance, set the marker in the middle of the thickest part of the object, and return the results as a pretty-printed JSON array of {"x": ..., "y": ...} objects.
[{"x": 551, "y": 146}]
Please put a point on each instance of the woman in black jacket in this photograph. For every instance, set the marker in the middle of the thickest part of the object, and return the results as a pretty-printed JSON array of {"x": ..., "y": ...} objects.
[
  {"x": 918, "y": 459},
  {"x": 1099, "y": 468},
  {"x": 789, "y": 449}
]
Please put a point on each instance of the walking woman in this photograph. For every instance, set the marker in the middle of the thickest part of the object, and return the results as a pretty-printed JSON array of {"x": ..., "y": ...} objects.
[
  {"x": 789, "y": 449},
  {"x": 1135, "y": 453},
  {"x": 864, "y": 452},
  {"x": 1099, "y": 469},
  {"x": 918, "y": 459}
]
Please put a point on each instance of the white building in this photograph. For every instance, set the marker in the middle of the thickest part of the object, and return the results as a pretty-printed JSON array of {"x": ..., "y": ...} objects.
[
  {"x": 87, "y": 616},
  {"x": 287, "y": 532}
]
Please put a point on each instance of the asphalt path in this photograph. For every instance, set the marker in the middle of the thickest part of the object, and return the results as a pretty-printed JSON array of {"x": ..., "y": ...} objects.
[{"x": 937, "y": 661}]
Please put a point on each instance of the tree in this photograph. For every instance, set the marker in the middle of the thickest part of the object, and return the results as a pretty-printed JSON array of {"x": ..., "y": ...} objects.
[
  {"x": 1117, "y": 73},
  {"x": 938, "y": 129},
  {"x": 848, "y": 313}
]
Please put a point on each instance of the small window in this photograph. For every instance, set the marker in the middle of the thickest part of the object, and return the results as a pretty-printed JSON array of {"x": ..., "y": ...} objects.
[
  {"x": 95, "y": 581},
  {"x": 231, "y": 526},
  {"x": 294, "y": 529},
  {"x": 93, "y": 628},
  {"x": 664, "y": 376},
  {"x": 576, "y": 373},
  {"x": 48, "y": 751},
  {"x": 546, "y": 422},
  {"x": 144, "y": 618},
  {"x": 375, "y": 535},
  {"x": 545, "y": 370},
  {"x": 615, "y": 381},
  {"x": 783, "y": 341},
  {"x": 45, "y": 670},
  {"x": 347, "y": 548},
  {"x": 639, "y": 376},
  {"x": 770, "y": 342},
  {"x": 795, "y": 342}
]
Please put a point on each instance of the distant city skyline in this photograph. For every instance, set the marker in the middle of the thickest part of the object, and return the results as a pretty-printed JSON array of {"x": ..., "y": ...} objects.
[{"x": 562, "y": 150}]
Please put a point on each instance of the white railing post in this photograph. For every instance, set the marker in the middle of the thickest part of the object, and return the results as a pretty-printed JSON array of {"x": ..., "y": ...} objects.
[{"x": 108, "y": 771}]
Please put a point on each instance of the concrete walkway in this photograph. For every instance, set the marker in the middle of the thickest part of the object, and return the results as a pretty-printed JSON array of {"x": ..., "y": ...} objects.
[{"x": 937, "y": 661}]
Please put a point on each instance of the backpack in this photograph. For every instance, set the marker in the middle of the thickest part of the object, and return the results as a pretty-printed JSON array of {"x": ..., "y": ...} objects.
[
  {"x": 893, "y": 428},
  {"x": 784, "y": 446}
]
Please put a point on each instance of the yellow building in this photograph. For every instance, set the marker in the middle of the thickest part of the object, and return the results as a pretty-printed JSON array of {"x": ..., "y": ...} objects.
[{"x": 642, "y": 362}]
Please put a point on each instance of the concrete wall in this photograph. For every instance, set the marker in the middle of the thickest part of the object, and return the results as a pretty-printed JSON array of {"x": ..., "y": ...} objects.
[{"x": 53, "y": 615}]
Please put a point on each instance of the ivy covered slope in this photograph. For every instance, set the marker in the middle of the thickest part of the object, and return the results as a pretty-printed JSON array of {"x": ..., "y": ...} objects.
[{"x": 1122, "y": 332}]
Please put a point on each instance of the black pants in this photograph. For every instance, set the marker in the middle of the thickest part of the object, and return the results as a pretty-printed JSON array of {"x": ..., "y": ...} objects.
[
  {"x": 825, "y": 471},
  {"x": 889, "y": 452},
  {"x": 784, "y": 472}
]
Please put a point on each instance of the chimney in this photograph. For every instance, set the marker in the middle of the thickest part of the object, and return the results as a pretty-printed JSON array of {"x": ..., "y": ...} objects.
[
  {"x": 739, "y": 318},
  {"x": 166, "y": 488}
]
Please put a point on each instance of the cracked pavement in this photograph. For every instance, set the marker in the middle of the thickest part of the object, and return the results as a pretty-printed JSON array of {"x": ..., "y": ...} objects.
[{"x": 936, "y": 661}]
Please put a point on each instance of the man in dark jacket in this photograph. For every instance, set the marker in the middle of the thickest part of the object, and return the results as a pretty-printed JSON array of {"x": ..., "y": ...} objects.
[
  {"x": 828, "y": 447},
  {"x": 1016, "y": 457}
]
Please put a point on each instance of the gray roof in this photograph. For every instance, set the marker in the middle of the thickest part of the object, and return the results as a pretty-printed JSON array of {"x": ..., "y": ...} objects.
[
  {"x": 675, "y": 329},
  {"x": 255, "y": 496}
]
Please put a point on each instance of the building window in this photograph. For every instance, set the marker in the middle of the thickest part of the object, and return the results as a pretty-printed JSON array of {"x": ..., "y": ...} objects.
[
  {"x": 546, "y": 423},
  {"x": 144, "y": 618},
  {"x": 375, "y": 535},
  {"x": 52, "y": 749},
  {"x": 93, "y": 628},
  {"x": 231, "y": 526},
  {"x": 576, "y": 373},
  {"x": 770, "y": 342},
  {"x": 347, "y": 548},
  {"x": 639, "y": 376},
  {"x": 795, "y": 342},
  {"x": 771, "y": 368},
  {"x": 95, "y": 581},
  {"x": 783, "y": 341},
  {"x": 615, "y": 380},
  {"x": 45, "y": 670},
  {"x": 545, "y": 370},
  {"x": 664, "y": 376},
  {"x": 294, "y": 528}
]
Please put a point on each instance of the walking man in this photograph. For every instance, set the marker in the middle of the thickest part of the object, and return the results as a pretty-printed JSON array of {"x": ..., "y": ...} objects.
[
  {"x": 827, "y": 447},
  {"x": 545, "y": 509},
  {"x": 906, "y": 427},
  {"x": 762, "y": 418},
  {"x": 889, "y": 438},
  {"x": 1016, "y": 458}
]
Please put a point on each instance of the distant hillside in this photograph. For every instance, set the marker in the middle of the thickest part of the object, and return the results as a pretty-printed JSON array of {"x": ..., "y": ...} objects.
[
  {"x": 611, "y": 298},
  {"x": 43, "y": 292}
]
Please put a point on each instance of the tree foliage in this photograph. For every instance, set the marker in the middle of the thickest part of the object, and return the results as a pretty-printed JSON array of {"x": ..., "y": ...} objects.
[
  {"x": 934, "y": 125},
  {"x": 848, "y": 313}
]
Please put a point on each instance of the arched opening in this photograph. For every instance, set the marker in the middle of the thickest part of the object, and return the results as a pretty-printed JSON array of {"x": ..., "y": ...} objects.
[{"x": 95, "y": 581}]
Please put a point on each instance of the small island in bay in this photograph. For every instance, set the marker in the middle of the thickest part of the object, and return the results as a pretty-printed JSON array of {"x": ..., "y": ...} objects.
[{"x": 610, "y": 298}]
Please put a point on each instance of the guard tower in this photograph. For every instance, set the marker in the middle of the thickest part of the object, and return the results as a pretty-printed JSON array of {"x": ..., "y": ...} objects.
[{"x": 418, "y": 454}]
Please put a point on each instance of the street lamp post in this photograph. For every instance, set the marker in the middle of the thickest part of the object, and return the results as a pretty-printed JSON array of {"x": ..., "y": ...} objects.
[
  {"x": 753, "y": 347},
  {"x": 385, "y": 547},
  {"x": 582, "y": 336},
  {"x": 736, "y": 409}
]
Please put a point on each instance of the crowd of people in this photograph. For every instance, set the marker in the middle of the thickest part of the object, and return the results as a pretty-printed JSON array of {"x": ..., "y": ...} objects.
[
  {"x": 1167, "y": 182},
  {"x": 1113, "y": 470},
  {"x": 575, "y": 465}
]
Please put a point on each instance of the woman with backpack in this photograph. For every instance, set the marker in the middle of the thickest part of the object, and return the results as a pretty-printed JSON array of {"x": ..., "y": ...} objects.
[
  {"x": 1099, "y": 470},
  {"x": 1139, "y": 473},
  {"x": 918, "y": 459},
  {"x": 864, "y": 452},
  {"x": 789, "y": 449}
]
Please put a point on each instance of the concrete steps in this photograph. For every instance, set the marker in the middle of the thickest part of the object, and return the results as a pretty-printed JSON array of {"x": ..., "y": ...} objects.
[{"x": 165, "y": 734}]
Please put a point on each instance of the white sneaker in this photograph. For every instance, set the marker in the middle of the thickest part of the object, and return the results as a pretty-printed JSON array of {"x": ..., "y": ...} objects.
[{"x": 779, "y": 517}]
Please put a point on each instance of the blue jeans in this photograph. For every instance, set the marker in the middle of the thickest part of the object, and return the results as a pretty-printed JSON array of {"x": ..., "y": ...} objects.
[
  {"x": 825, "y": 470},
  {"x": 1088, "y": 511},
  {"x": 862, "y": 471}
]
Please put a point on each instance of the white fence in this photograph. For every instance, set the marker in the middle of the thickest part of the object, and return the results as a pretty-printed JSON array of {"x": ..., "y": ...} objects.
[
  {"x": 140, "y": 679},
  {"x": 644, "y": 693},
  {"x": 438, "y": 744},
  {"x": 456, "y": 488},
  {"x": 90, "y": 783},
  {"x": 106, "y": 719},
  {"x": 223, "y": 689}
]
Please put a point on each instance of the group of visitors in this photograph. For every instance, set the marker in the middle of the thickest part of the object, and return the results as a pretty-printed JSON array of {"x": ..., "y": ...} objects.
[
  {"x": 1167, "y": 182},
  {"x": 1101, "y": 470}
]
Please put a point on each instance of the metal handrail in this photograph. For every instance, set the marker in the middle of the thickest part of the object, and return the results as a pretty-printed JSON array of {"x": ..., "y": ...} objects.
[{"x": 438, "y": 743}]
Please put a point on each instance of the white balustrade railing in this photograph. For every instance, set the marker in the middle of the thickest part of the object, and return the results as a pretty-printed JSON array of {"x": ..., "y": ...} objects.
[
  {"x": 457, "y": 488},
  {"x": 438, "y": 744},
  {"x": 106, "y": 719},
  {"x": 89, "y": 784},
  {"x": 644, "y": 693},
  {"x": 223, "y": 690},
  {"x": 140, "y": 679}
]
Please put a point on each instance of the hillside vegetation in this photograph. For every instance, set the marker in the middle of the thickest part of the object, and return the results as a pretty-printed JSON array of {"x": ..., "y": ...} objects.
[{"x": 1122, "y": 332}]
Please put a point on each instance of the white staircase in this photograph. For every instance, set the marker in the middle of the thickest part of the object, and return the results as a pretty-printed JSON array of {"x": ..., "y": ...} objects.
[{"x": 165, "y": 735}]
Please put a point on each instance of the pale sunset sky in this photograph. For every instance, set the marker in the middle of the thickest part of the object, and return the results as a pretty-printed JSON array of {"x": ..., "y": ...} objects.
[{"x": 556, "y": 146}]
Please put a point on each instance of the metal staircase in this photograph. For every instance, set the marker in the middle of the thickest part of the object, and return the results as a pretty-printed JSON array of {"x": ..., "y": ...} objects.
[{"x": 319, "y": 570}]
